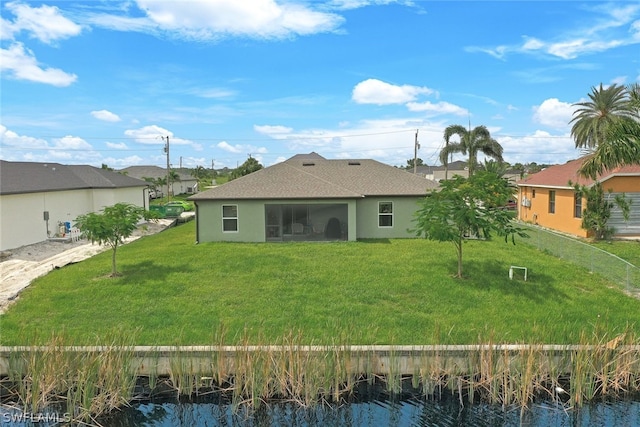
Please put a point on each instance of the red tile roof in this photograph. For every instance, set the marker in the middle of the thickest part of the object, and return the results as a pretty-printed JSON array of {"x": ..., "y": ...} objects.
[{"x": 560, "y": 175}]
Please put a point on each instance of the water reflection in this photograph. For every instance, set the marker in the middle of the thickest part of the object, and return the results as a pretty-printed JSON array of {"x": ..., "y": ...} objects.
[{"x": 408, "y": 412}]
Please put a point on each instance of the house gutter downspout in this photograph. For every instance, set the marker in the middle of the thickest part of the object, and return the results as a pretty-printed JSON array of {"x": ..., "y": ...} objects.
[{"x": 197, "y": 223}]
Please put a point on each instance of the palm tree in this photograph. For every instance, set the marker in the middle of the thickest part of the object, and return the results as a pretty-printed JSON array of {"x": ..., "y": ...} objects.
[
  {"x": 614, "y": 141},
  {"x": 471, "y": 142},
  {"x": 592, "y": 119}
]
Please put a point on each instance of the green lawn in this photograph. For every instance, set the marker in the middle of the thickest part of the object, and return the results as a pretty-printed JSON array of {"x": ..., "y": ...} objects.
[
  {"x": 626, "y": 249},
  {"x": 370, "y": 292}
]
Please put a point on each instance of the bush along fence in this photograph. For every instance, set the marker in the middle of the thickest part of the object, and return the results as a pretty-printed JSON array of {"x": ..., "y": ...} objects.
[
  {"x": 90, "y": 382},
  {"x": 596, "y": 260}
]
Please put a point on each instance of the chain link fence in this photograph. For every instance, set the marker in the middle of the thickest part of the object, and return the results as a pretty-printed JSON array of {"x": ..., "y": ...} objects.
[{"x": 596, "y": 260}]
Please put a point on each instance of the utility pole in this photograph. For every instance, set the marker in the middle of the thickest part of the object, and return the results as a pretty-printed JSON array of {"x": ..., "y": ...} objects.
[
  {"x": 416, "y": 147},
  {"x": 166, "y": 150}
]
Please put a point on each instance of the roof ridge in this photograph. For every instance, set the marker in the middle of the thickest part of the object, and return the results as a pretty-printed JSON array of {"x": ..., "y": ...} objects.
[{"x": 307, "y": 171}]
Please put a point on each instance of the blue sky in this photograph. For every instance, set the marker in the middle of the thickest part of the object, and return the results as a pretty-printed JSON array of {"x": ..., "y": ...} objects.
[{"x": 106, "y": 81}]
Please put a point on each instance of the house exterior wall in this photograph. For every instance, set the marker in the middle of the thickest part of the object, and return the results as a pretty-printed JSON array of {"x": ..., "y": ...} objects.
[
  {"x": 563, "y": 219},
  {"x": 22, "y": 215},
  {"x": 439, "y": 175},
  {"x": 137, "y": 196},
  {"x": 251, "y": 225},
  {"x": 182, "y": 186},
  {"x": 404, "y": 209},
  {"x": 538, "y": 213},
  {"x": 622, "y": 184},
  {"x": 251, "y": 218}
]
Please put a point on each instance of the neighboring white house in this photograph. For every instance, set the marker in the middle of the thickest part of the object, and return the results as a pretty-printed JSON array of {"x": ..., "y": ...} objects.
[
  {"x": 438, "y": 173},
  {"x": 186, "y": 184},
  {"x": 37, "y": 199}
]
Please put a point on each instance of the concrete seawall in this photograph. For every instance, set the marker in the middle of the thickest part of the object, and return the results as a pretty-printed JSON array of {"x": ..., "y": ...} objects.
[{"x": 378, "y": 359}]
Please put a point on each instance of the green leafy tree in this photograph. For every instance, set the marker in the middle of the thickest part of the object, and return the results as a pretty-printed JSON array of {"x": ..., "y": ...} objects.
[
  {"x": 598, "y": 210},
  {"x": 465, "y": 207},
  {"x": 151, "y": 181},
  {"x": 409, "y": 166},
  {"x": 112, "y": 226},
  {"x": 499, "y": 168},
  {"x": 249, "y": 166},
  {"x": 620, "y": 144},
  {"x": 203, "y": 175},
  {"x": 472, "y": 142}
]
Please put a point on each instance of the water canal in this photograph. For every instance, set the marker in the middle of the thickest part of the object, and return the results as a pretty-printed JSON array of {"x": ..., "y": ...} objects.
[{"x": 399, "y": 413}]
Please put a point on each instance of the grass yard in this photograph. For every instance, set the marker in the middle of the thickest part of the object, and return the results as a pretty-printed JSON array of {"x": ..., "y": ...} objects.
[
  {"x": 370, "y": 292},
  {"x": 628, "y": 250}
]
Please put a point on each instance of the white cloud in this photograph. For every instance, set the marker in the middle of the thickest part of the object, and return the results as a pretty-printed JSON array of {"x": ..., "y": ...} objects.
[
  {"x": 571, "y": 49},
  {"x": 437, "y": 108},
  {"x": 373, "y": 91},
  {"x": 279, "y": 159},
  {"x": 71, "y": 143},
  {"x": 120, "y": 163},
  {"x": 553, "y": 113},
  {"x": 218, "y": 19},
  {"x": 44, "y": 23},
  {"x": 152, "y": 134},
  {"x": 239, "y": 148},
  {"x": 22, "y": 65},
  {"x": 356, "y": 4},
  {"x": 273, "y": 131},
  {"x": 68, "y": 149},
  {"x": 12, "y": 139},
  {"x": 620, "y": 80},
  {"x": 117, "y": 145},
  {"x": 531, "y": 43},
  {"x": 539, "y": 146},
  {"x": 106, "y": 116},
  {"x": 610, "y": 27},
  {"x": 216, "y": 93},
  {"x": 390, "y": 141},
  {"x": 156, "y": 135},
  {"x": 224, "y": 145}
]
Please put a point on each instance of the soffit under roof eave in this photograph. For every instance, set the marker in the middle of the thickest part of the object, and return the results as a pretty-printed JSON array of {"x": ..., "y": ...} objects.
[
  {"x": 201, "y": 199},
  {"x": 56, "y": 190},
  {"x": 555, "y": 187}
]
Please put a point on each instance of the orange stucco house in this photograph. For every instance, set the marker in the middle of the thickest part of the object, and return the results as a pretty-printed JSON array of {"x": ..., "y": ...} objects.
[{"x": 547, "y": 199}]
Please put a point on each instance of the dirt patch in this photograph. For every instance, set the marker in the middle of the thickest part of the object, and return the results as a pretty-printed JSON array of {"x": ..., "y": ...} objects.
[{"x": 20, "y": 266}]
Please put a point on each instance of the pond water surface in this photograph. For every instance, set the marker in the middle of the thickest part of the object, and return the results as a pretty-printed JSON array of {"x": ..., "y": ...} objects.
[
  {"x": 446, "y": 411},
  {"x": 407, "y": 412}
]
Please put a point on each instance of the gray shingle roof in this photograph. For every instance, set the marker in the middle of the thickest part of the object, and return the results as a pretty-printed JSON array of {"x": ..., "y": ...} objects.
[
  {"x": 154, "y": 172},
  {"x": 30, "y": 177},
  {"x": 303, "y": 177}
]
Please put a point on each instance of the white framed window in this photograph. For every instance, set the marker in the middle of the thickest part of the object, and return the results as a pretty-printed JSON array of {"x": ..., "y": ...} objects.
[
  {"x": 229, "y": 218},
  {"x": 385, "y": 214},
  {"x": 577, "y": 205}
]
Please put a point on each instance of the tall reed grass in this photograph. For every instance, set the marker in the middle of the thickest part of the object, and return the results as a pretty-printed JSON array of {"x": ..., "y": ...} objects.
[{"x": 92, "y": 381}]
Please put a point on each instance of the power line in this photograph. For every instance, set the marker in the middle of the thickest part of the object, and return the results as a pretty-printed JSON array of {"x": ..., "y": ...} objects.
[{"x": 278, "y": 138}]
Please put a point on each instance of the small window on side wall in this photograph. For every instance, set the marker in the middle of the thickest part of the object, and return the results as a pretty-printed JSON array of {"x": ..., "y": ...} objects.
[
  {"x": 577, "y": 205},
  {"x": 385, "y": 214},
  {"x": 229, "y": 218},
  {"x": 552, "y": 201}
]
